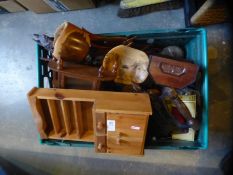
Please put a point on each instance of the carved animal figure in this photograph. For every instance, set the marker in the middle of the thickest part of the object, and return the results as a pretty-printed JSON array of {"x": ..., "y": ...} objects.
[{"x": 125, "y": 64}]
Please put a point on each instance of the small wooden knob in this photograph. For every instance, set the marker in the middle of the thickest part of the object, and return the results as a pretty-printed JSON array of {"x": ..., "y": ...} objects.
[
  {"x": 100, "y": 125},
  {"x": 100, "y": 146},
  {"x": 118, "y": 139}
]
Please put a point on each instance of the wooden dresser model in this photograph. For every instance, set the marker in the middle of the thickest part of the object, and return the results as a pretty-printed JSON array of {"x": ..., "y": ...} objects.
[{"x": 115, "y": 121}]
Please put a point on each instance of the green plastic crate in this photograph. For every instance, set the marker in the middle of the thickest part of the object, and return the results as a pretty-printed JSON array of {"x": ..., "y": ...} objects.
[{"x": 195, "y": 43}]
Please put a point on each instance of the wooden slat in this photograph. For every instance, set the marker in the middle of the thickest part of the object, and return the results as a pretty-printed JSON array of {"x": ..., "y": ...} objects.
[
  {"x": 112, "y": 102},
  {"x": 144, "y": 136},
  {"x": 54, "y": 116},
  {"x": 39, "y": 116},
  {"x": 87, "y": 136},
  {"x": 66, "y": 116},
  {"x": 78, "y": 118}
]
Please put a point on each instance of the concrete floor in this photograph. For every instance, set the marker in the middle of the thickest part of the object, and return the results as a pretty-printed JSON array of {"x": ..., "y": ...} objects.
[{"x": 18, "y": 135}]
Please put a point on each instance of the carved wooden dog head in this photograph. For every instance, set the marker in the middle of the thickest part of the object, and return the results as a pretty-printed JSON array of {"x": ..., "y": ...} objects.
[{"x": 127, "y": 65}]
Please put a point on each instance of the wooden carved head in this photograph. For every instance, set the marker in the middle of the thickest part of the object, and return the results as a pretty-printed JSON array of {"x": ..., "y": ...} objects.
[{"x": 126, "y": 64}]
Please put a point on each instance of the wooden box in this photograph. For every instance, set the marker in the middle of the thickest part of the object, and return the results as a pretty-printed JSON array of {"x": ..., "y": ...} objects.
[
  {"x": 37, "y": 6},
  {"x": 48, "y": 6},
  {"x": 77, "y": 4},
  {"x": 12, "y": 6}
]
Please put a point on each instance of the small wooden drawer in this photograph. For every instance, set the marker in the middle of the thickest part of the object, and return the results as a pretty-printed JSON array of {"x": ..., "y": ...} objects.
[
  {"x": 124, "y": 145},
  {"x": 100, "y": 144},
  {"x": 100, "y": 124},
  {"x": 126, "y": 133}
]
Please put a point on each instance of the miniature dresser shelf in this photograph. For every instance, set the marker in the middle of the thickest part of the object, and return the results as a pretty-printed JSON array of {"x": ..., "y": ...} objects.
[{"x": 84, "y": 115}]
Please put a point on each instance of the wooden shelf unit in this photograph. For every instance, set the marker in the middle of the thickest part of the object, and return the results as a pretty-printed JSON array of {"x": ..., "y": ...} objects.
[{"x": 83, "y": 115}]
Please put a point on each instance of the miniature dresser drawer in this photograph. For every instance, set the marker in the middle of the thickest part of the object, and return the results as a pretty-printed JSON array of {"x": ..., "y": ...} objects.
[
  {"x": 100, "y": 144},
  {"x": 100, "y": 132},
  {"x": 100, "y": 124},
  {"x": 126, "y": 133},
  {"x": 133, "y": 146}
]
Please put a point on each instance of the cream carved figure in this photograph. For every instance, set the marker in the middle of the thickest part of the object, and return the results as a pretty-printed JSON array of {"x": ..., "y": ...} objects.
[{"x": 125, "y": 64}]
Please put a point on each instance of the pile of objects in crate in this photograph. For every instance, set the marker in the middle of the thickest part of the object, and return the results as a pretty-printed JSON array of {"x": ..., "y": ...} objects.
[{"x": 120, "y": 92}]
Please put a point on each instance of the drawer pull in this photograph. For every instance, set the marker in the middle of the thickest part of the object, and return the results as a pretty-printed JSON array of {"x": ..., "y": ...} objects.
[
  {"x": 118, "y": 139},
  {"x": 100, "y": 125},
  {"x": 100, "y": 146}
]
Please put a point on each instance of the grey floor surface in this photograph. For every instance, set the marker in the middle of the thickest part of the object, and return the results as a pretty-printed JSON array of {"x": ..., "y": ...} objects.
[{"x": 18, "y": 135}]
